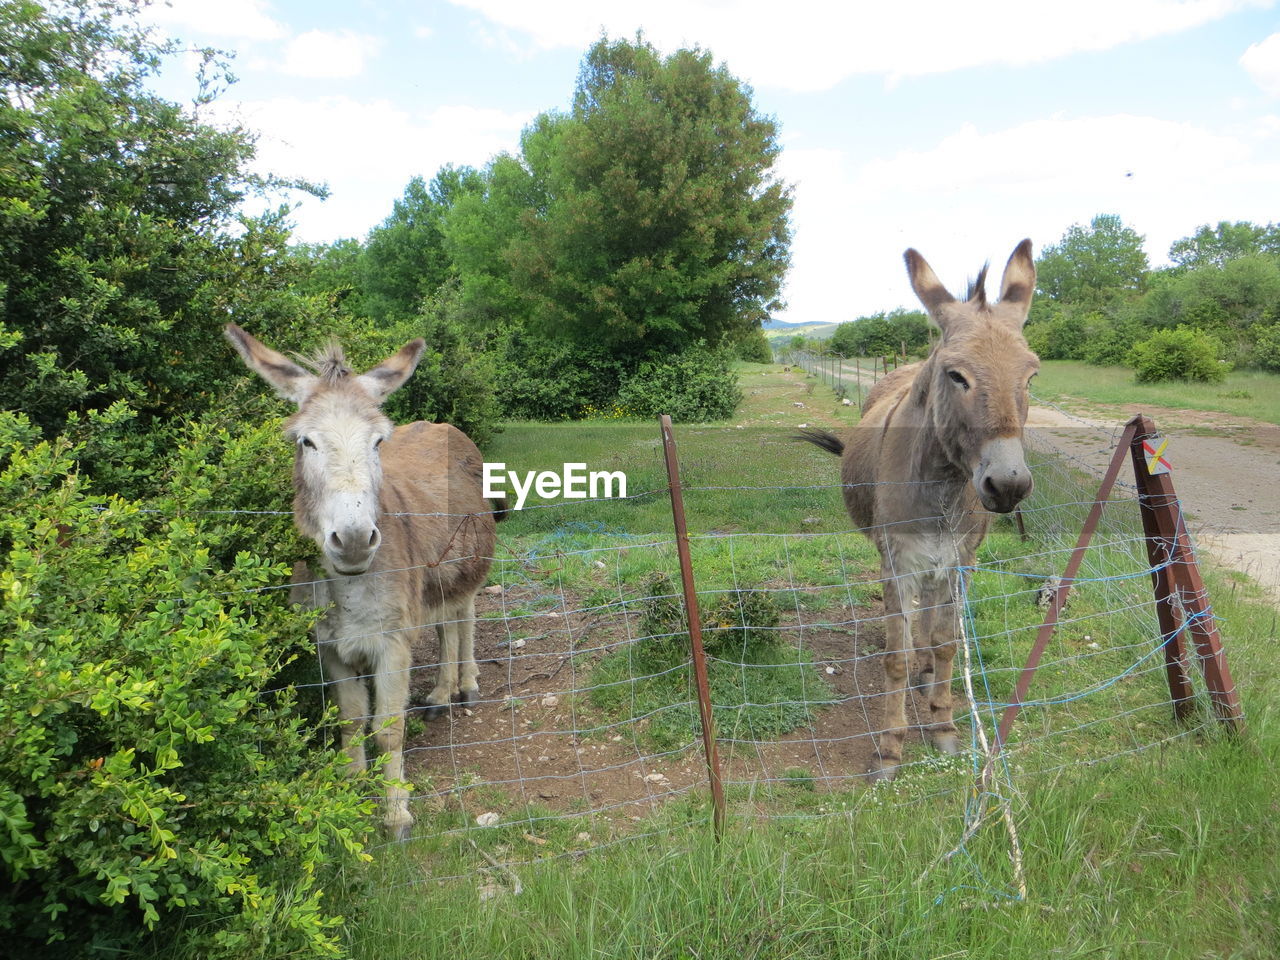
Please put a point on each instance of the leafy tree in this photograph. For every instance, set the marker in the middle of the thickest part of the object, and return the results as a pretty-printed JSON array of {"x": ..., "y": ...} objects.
[
  {"x": 1215, "y": 246},
  {"x": 882, "y": 334},
  {"x": 661, "y": 220},
  {"x": 405, "y": 258},
  {"x": 481, "y": 227},
  {"x": 1235, "y": 301},
  {"x": 1094, "y": 266},
  {"x": 118, "y": 261}
]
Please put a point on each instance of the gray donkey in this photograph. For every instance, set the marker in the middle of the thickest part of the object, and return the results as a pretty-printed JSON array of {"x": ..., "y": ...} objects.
[
  {"x": 939, "y": 447},
  {"x": 405, "y": 535}
]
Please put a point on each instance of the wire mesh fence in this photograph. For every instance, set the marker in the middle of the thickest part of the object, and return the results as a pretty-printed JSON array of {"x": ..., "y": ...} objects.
[{"x": 587, "y": 722}]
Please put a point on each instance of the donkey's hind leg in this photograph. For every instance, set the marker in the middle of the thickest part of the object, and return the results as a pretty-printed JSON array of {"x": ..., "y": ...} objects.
[
  {"x": 441, "y": 696},
  {"x": 469, "y": 679}
]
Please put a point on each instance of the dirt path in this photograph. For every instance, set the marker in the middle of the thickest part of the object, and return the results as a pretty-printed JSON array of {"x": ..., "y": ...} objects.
[{"x": 1226, "y": 471}]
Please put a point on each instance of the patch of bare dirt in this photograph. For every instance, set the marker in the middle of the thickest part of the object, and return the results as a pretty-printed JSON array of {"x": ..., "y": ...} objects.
[{"x": 535, "y": 736}]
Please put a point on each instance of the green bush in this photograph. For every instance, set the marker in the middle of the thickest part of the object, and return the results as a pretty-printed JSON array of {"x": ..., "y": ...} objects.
[
  {"x": 754, "y": 348},
  {"x": 1178, "y": 354},
  {"x": 1057, "y": 333},
  {"x": 695, "y": 386},
  {"x": 1267, "y": 353},
  {"x": 542, "y": 379},
  {"x": 456, "y": 380},
  {"x": 1109, "y": 338},
  {"x": 761, "y": 685},
  {"x": 149, "y": 784}
]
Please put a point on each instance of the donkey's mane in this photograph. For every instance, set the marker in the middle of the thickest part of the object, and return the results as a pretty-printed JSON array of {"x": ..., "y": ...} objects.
[
  {"x": 328, "y": 363},
  {"x": 977, "y": 292}
]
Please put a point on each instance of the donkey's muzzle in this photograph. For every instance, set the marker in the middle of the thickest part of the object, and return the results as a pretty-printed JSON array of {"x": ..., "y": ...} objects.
[
  {"x": 351, "y": 551},
  {"x": 1002, "y": 480},
  {"x": 1003, "y": 496}
]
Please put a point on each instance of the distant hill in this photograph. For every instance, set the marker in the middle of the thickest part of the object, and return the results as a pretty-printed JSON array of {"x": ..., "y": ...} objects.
[{"x": 820, "y": 330}]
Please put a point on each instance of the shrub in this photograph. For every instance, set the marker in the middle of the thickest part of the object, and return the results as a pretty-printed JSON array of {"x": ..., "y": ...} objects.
[
  {"x": 754, "y": 348},
  {"x": 695, "y": 386},
  {"x": 1109, "y": 338},
  {"x": 147, "y": 778},
  {"x": 1178, "y": 354},
  {"x": 1058, "y": 333},
  {"x": 1267, "y": 353},
  {"x": 456, "y": 381},
  {"x": 761, "y": 685},
  {"x": 542, "y": 379}
]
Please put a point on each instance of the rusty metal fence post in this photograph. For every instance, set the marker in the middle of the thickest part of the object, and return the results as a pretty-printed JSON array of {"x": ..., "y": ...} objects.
[
  {"x": 1177, "y": 586},
  {"x": 695, "y": 626},
  {"x": 1181, "y": 586}
]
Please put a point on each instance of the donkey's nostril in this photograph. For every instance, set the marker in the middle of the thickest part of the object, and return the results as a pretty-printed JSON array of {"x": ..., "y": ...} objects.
[
  {"x": 374, "y": 538},
  {"x": 335, "y": 541}
]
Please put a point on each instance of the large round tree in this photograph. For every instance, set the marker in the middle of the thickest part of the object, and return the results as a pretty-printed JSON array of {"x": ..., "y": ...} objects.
[{"x": 664, "y": 221}]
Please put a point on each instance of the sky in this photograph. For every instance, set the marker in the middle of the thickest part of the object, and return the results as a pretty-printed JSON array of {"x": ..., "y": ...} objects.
[{"x": 957, "y": 128}]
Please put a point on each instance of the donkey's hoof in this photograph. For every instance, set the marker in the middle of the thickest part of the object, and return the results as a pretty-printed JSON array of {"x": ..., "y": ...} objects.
[
  {"x": 882, "y": 773},
  {"x": 945, "y": 742},
  {"x": 467, "y": 696},
  {"x": 435, "y": 711},
  {"x": 399, "y": 832}
]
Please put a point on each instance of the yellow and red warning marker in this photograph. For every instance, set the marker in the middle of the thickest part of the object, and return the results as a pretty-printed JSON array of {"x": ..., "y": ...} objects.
[{"x": 1153, "y": 447}]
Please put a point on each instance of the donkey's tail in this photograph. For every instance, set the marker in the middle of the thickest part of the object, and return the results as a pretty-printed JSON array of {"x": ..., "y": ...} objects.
[
  {"x": 821, "y": 438},
  {"x": 500, "y": 510}
]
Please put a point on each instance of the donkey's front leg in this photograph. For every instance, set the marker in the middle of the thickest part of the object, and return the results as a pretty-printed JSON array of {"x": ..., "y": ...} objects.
[
  {"x": 898, "y": 606},
  {"x": 943, "y": 630},
  {"x": 391, "y": 683},
  {"x": 353, "y": 704}
]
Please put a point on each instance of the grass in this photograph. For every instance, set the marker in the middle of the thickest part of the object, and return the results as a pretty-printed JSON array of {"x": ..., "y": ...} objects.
[
  {"x": 762, "y": 685},
  {"x": 1245, "y": 393},
  {"x": 1140, "y": 840},
  {"x": 1166, "y": 855}
]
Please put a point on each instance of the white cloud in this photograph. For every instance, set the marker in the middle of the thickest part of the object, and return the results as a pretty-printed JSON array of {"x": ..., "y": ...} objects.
[
  {"x": 322, "y": 54},
  {"x": 1262, "y": 62},
  {"x": 974, "y": 195},
  {"x": 329, "y": 140},
  {"x": 813, "y": 44},
  {"x": 232, "y": 19}
]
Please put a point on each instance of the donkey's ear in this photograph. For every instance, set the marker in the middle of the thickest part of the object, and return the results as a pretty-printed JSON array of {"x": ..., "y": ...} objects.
[
  {"x": 387, "y": 377},
  {"x": 1019, "y": 280},
  {"x": 290, "y": 380},
  {"x": 925, "y": 282}
]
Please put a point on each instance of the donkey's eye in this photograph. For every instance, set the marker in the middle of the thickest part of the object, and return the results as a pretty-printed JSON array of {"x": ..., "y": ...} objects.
[
  {"x": 306, "y": 442},
  {"x": 958, "y": 377},
  {"x": 378, "y": 442}
]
